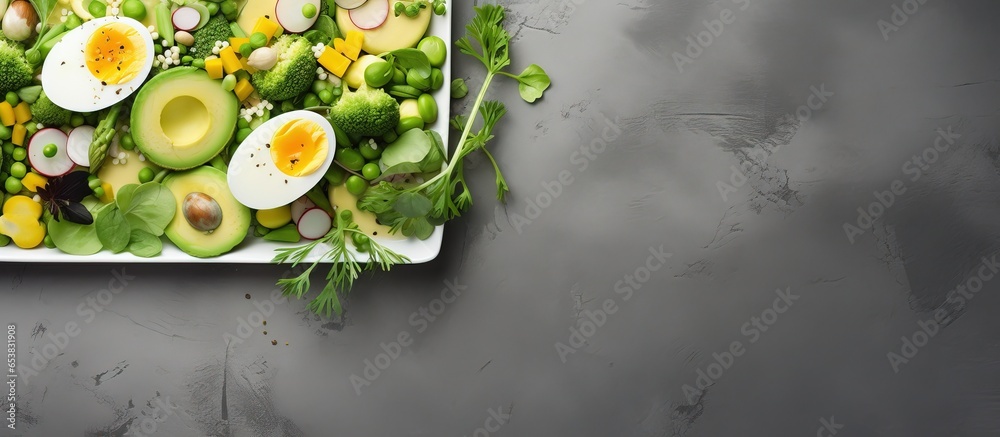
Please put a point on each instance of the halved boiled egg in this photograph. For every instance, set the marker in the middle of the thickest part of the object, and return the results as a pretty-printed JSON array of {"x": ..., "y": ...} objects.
[
  {"x": 281, "y": 160},
  {"x": 98, "y": 64}
]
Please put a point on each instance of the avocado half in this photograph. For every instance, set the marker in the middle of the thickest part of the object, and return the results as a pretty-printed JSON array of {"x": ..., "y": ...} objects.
[
  {"x": 235, "y": 222},
  {"x": 182, "y": 118}
]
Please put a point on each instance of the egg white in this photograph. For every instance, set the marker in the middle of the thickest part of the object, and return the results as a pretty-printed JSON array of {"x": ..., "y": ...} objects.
[
  {"x": 257, "y": 182},
  {"x": 69, "y": 84}
]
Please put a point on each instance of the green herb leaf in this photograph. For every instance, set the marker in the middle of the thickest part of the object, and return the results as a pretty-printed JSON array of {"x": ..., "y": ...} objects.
[
  {"x": 74, "y": 238},
  {"x": 151, "y": 208},
  {"x": 412, "y": 205},
  {"x": 143, "y": 244},
  {"x": 533, "y": 82},
  {"x": 413, "y": 59},
  {"x": 123, "y": 197},
  {"x": 113, "y": 230}
]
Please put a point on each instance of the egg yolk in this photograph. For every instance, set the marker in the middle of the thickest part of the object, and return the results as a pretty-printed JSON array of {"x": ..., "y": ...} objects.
[
  {"x": 299, "y": 147},
  {"x": 114, "y": 53}
]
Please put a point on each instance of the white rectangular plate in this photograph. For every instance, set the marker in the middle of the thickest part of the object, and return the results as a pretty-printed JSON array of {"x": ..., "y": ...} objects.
[{"x": 256, "y": 250}]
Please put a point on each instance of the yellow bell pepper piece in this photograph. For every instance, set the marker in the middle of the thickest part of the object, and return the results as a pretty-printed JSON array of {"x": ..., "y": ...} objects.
[
  {"x": 267, "y": 27},
  {"x": 351, "y": 47},
  {"x": 20, "y": 134},
  {"x": 26, "y": 232},
  {"x": 7, "y": 116},
  {"x": 238, "y": 42},
  {"x": 230, "y": 62},
  {"x": 214, "y": 68},
  {"x": 33, "y": 181},
  {"x": 334, "y": 62},
  {"x": 243, "y": 89},
  {"x": 22, "y": 205},
  {"x": 246, "y": 66},
  {"x": 22, "y": 112}
]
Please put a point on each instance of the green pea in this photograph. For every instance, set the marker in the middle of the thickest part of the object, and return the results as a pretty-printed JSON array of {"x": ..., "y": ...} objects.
[
  {"x": 47, "y": 241},
  {"x": 99, "y": 192},
  {"x": 242, "y": 123},
  {"x": 346, "y": 215},
  {"x": 350, "y": 159},
  {"x": 320, "y": 85},
  {"x": 50, "y": 150},
  {"x": 416, "y": 80},
  {"x": 187, "y": 59},
  {"x": 31, "y": 128},
  {"x": 19, "y": 154},
  {"x": 287, "y": 106},
  {"x": 230, "y": 9},
  {"x": 11, "y": 98},
  {"x": 412, "y": 10},
  {"x": 182, "y": 49},
  {"x": 398, "y": 8},
  {"x": 73, "y": 21},
  {"x": 199, "y": 63},
  {"x": 18, "y": 170},
  {"x": 440, "y": 9},
  {"x": 94, "y": 182},
  {"x": 126, "y": 141},
  {"x": 435, "y": 48},
  {"x": 378, "y": 74},
  {"x": 76, "y": 120},
  {"x": 335, "y": 175},
  {"x": 459, "y": 89},
  {"x": 398, "y": 76},
  {"x": 97, "y": 9},
  {"x": 361, "y": 242},
  {"x": 309, "y": 10},
  {"x": 337, "y": 91},
  {"x": 6, "y": 133},
  {"x": 325, "y": 96},
  {"x": 146, "y": 175},
  {"x": 258, "y": 40},
  {"x": 390, "y": 137},
  {"x": 407, "y": 123},
  {"x": 356, "y": 185},
  {"x": 229, "y": 82},
  {"x": 246, "y": 49},
  {"x": 370, "y": 153},
  {"x": 134, "y": 9},
  {"x": 213, "y": 8},
  {"x": 371, "y": 171},
  {"x": 8, "y": 148},
  {"x": 427, "y": 108},
  {"x": 242, "y": 134},
  {"x": 158, "y": 49},
  {"x": 311, "y": 100},
  {"x": 13, "y": 185},
  {"x": 437, "y": 79}
]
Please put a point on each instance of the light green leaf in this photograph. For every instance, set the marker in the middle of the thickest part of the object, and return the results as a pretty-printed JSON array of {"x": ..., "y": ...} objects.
[
  {"x": 123, "y": 197},
  {"x": 151, "y": 208},
  {"x": 113, "y": 229},
  {"x": 73, "y": 238},
  {"x": 412, "y": 205},
  {"x": 144, "y": 245},
  {"x": 533, "y": 82}
]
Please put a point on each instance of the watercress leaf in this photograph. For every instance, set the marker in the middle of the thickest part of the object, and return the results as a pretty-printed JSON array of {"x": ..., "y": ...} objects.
[
  {"x": 316, "y": 36},
  {"x": 533, "y": 82},
  {"x": 151, "y": 209},
  {"x": 74, "y": 238},
  {"x": 143, "y": 244},
  {"x": 326, "y": 25},
  {"x": 435, "y": 156},
  {"x": 412, "y": 205},
  {"x": 44, "y": 9},
  {"x": 112, "y": 228},
  {"x": 422, "y": 229},
  {"x": 123, "y": 197},
  {"x": 398, "y": 169},
  {"x": 413, "y": 59},
  {"x": 412, "y": 146}
]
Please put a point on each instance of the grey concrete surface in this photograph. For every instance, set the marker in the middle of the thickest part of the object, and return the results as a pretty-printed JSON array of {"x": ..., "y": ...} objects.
[{"x": 743, "y": 155}]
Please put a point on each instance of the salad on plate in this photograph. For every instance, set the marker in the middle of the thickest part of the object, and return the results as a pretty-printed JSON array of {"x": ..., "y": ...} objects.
[{"x": 313, "y": 124}]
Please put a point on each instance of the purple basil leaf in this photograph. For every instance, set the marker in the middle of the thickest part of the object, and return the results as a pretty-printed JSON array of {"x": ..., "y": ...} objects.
[{"x": 75, "y": 212}]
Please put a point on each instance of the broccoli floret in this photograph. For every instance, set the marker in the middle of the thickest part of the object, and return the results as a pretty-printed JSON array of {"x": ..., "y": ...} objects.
[
  {"x": 15, "y": 72},
  {"x": 368, "y": 112},
  {"x": 217, "y": 29},
  {"x": 292, "y": 75},
  {"x": 45, "y": 112}
]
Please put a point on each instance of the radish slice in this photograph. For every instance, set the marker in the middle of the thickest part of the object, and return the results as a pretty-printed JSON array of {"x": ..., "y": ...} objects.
[
  {"x": 290, "y": 17},
  {"x": 55, "y": 166},
  {"x": 186, "y": 18},
  {"x": 78, "y": 145},
  {"x": 370, "y": 15},
  {"x": 349, "y": 4},
  {"x": 300, "y": 206},
  {"x": 314, "y": 224}
]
